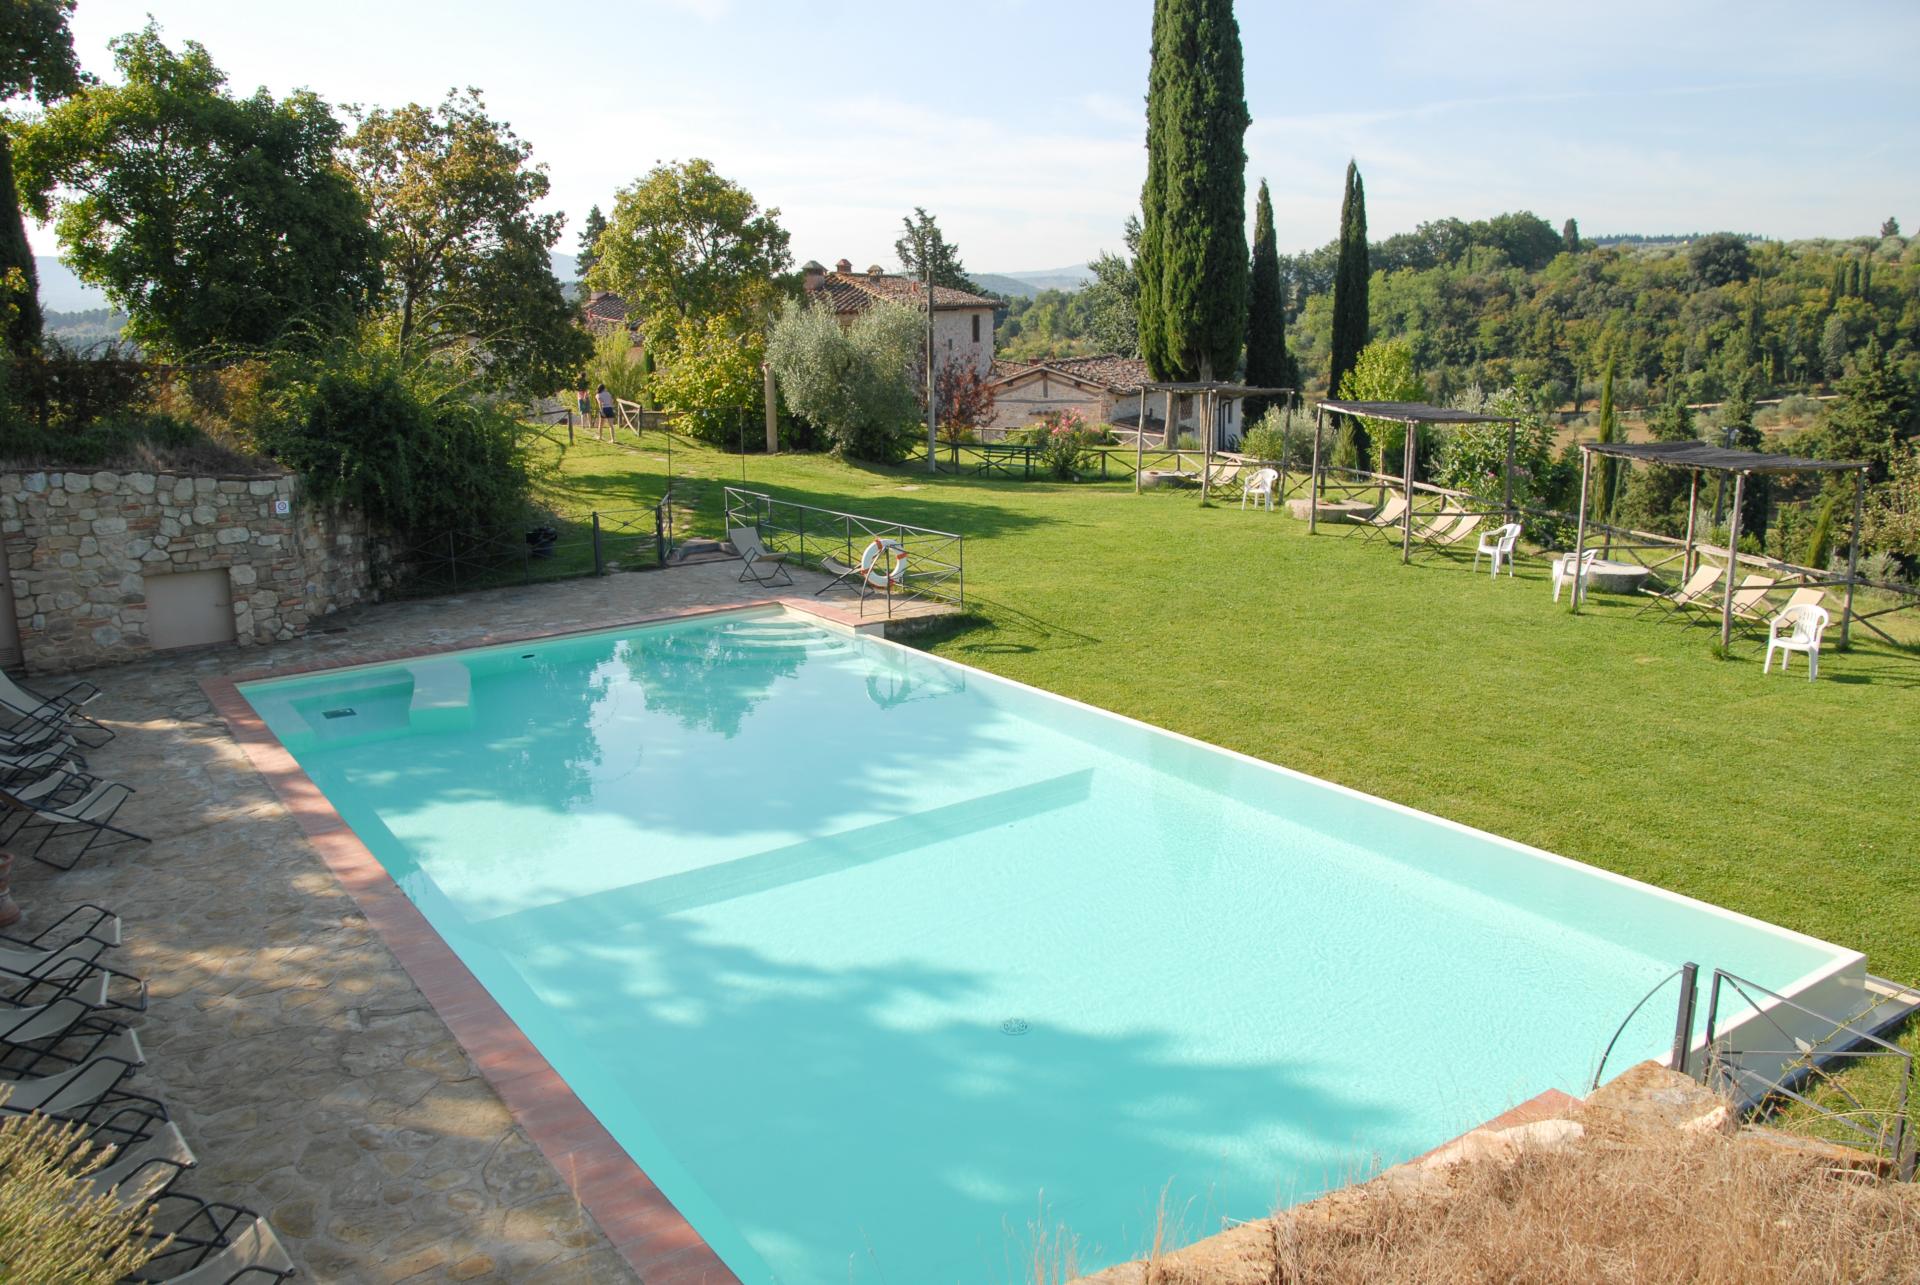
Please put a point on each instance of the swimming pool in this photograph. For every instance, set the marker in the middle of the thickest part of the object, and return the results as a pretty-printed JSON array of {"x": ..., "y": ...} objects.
[{"x": 873, "y": 961}]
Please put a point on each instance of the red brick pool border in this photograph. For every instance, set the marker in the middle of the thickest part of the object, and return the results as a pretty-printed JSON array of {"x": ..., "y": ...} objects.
[{"x": 653, "y": 1237}]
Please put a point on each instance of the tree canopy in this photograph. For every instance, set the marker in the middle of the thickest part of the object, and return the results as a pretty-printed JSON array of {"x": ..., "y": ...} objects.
[
  {"x": 1350, "y": 282},
  {"x": 1193, "y": 247},
  {"x": 208, "y": 219},
  {"x": 684, "y": 243},
  {"x": 923, "y": 244},
  {"x": 853, "y": 383},
  {"x": 36, "y": 62},
  {"x": 588, "y": 254},
  {"x": 1267, "y": 364},
  {"x": 466, "y": 259}
]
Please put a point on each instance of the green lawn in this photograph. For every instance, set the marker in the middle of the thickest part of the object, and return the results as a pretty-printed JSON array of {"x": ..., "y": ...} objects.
[{"x": 1621, "y": 742}]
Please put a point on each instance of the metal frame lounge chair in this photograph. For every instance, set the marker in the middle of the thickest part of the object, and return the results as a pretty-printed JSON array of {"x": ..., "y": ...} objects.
[
  {"x": 87, "y": 980},
  {"x": 1385, "y": 518},
  {"x": 92, "y": 810},
  {"x": 62, "y": 709},
  {"x": 753, "y": 553},
  {"x": 1465, "y": 524},
  {"x": 48, "y": 1038},
  {"x": 1501, "y": 549},
  {"x": 83, "y": 1092},
  {"x": 206, "y": 1249},
  {"x": 142, "y": 1172},
  {"x": 85, "y": 920},
  {"x": 1804, "y": 622},
  {"x": 1749, "y": 606}
]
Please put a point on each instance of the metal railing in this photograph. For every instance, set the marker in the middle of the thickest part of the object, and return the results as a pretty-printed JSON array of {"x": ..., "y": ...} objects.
[
  {"x": 541, "y": 547},
  {"x": 936, "y": 560},
  {"x": 1789, "y": 1068}
]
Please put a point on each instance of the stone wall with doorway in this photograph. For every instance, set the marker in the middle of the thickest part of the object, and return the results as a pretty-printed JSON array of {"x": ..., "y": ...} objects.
[{"x": 83, "y": 546}]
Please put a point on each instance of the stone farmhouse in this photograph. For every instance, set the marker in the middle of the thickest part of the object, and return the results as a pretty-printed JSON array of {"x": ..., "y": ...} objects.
[
  {"x": 1106, "y": 389},
  {"x": 962, "y": 322}
]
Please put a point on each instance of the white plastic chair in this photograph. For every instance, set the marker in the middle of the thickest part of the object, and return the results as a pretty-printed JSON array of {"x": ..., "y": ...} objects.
[
  {"x": 1562, "y": 575},
  {"x": 1805, "y": 623},
  {"x": 1260, "y": 488},
  {"x": 1500, "y": 544}
]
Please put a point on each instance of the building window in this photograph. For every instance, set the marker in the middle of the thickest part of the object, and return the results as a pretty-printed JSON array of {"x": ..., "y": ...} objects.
[{"x": 976, "y": 327}]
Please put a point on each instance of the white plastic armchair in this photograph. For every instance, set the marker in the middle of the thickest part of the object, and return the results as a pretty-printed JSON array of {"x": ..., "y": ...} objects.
[
  {"x": 1563, "y": 572},
  {"x": 1803, "y": 624},
  {"x": 1259, "y": 488},
  {"x": 1498, "y": 543}
]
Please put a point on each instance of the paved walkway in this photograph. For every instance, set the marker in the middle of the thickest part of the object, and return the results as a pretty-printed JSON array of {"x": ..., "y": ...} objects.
[{"x": 307, "y": 1071}]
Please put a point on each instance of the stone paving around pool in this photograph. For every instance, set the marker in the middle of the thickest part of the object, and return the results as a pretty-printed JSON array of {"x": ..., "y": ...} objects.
[{"x": 305, "y": 1068}]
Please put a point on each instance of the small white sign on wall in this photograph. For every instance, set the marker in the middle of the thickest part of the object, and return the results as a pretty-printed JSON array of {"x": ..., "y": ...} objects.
[{"x": 282, "y": 507}]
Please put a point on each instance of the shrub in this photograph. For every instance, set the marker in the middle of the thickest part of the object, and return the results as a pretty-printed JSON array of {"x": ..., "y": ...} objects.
[
  {"x": 53, "y": 1230},
  {"x": 855, "y": 384},
  {"x": 711, "y": 375},
  {"x": 405, "y": 443},
  {"x": 1066, "y": 446},
  {"x": 615, "y": 364},
  {"x": 1272, "y": 439}
]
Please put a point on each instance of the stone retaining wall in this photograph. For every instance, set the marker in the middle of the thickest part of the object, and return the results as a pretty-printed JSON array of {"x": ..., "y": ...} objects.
[{"x": 81, "y": 546}]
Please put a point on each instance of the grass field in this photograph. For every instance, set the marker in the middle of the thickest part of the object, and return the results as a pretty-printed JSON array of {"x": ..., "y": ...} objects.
[{"x": 1622, "y": 742}]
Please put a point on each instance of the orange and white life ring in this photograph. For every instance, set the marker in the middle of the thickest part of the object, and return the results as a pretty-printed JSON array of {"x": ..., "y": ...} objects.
[{"x": 891, "y": 554}]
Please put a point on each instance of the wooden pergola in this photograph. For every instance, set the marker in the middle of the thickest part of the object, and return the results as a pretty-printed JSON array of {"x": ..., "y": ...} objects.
[
  {"x": 1211, "y": 393},
  {"x": 1413, "y": 415},
  {"x": 1701, "y": 457}
]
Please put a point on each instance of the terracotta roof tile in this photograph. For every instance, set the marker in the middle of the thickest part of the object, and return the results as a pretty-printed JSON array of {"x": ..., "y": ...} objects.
[
  {"x": 858, "y": 291},
  {"x": 602, "y": 311},
  {"x": 1118, "y": 374}
]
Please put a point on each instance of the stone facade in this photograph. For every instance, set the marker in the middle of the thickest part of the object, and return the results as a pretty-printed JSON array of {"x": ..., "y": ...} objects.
[{"x": 81, "y": 546}]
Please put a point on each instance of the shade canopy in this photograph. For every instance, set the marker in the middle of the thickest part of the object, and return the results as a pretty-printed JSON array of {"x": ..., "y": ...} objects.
[
  {"x": 1414, "y": 413},
  {"x": 1214, "y": 386},
  {"x": 1721, "y": 459}
]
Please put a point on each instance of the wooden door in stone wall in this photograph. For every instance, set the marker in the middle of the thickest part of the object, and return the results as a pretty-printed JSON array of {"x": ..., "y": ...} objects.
[{"x": 189, "y": 609}]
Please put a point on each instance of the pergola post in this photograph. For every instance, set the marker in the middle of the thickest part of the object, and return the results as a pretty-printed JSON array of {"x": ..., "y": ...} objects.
[
  {"x": 1406, "y": 487},
  {"x": 1140, "y": 443},
  {"x": 1853, "y": 554},
  {"x": 1313, "y": 486},
  {"x": 1205, "y": 404},
  {"x": 1580, "y": 528},
  {"x": 1170, "y": 440},
  {"x": 1507, "y": 489},
  {"x": 1286, "y": 444},
  {"x": 1686, "y": 553},
  {"x": 1733, "y": 560}
]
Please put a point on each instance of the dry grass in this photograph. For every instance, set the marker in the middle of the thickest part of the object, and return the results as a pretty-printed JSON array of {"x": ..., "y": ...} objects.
[{"x": 1700, "y": 1208}]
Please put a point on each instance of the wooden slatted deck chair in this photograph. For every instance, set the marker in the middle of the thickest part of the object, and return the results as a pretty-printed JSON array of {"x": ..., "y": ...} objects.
[
  {"x": 213, "y": 1244},
  {"x": 758, "y": 563},
  {"x": 59, "y": 810},
  {"x": 1702, "y": 581}
]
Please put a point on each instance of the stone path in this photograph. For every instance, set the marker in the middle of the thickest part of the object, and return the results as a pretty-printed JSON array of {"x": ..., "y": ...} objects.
[{"x": 306, "y": 1070}]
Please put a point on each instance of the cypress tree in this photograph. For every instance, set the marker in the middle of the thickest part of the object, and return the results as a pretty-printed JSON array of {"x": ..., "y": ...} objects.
[
  {"x": 1350, "y": 277},
  {"x": 1267, "y": 365},
  {"x": 1193, "y": 245},
  {"x": 1609, "y": 432},
  {"x": 1570, "y": 235}
]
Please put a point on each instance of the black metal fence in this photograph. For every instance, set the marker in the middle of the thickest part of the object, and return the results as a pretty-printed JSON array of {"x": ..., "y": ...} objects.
[
  {"x": 935, "y": 560},
  {"x": 544, "y": 546}
]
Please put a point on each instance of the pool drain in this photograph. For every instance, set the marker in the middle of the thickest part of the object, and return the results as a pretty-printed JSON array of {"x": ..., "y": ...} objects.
[
  {"x": 1014, "y": 1026},
  {"x": 336, "y": 713}
]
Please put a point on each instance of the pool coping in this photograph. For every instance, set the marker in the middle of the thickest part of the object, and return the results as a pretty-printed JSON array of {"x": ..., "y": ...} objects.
[{"x": 643, "y": 1225}]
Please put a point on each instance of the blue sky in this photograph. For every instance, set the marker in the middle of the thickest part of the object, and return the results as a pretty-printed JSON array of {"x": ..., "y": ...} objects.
[{"x": 1019, "y": 124}]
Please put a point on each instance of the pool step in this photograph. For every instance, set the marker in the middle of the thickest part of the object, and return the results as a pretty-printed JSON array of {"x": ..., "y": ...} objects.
[{"x": 810, "y": 645}]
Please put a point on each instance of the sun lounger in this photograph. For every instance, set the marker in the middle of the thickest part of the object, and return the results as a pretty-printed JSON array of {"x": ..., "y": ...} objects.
[
  {"x": 90, "y": 981},
  {"x": 49, "y": 1038},
  {"x": 213, "y": 1244},
  {"x": 62, "y": 709},
  {"x": 84, "y": 920},
  {"x": 1749, "y": 604},
  {"x": 1387, "y": 517},
  {"x": 758, "y": 563},
  {"x": 1464, "y": 527},
  {"x": 1702, "y": 580},
  {"x": 1443, "y": 522},
  {"x": 79, "y": 1093},
  {"x": 142, "y": 1172},
  {"x": 55, "y": 809}
]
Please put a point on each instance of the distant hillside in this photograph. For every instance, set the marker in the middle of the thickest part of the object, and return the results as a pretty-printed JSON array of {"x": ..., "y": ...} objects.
[
  {"x": 61, "y": 291},
  {"x": 85, "y": 329},
  {"x": 1025, "y": 285}
]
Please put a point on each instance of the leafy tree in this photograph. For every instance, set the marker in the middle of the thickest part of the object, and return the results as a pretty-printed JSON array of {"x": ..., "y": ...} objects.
[
  {"x": 589, "y": 246},
  {"x": 1891, "y": 227},
  {"x": 1719, "y": 258},
  {"x": 1267, "y": 364},
  {"x": 207, "y": 219},
  {"x": 922, "y": 245},
  {"x": 1835, "y": 345},
  {"x": 685, "y": 243},
  {"x": 1609, "y": 468},
  {"x": 1350, "y": 305},
  {"x": 1193, "y": 246},
  {"x": 855, "y": 384},
  {"x": 1876, "y": 410},
  {"x": 710, "y": 373},
  {"x": 1736, "y": 421},
  {"x": 1113, "y": 297},
  {"x": 1892, "y": 519},
  {"x": 37, "y": 62},
  {"x": 1570, "y": 236},
  {"x": 1656, "y": 494},
  {"x": 1383, "y": 373},
  {"x": 467, "y": 260},
  {"x": 615, "y": 364},
  {"x": 965, "y": 400}
]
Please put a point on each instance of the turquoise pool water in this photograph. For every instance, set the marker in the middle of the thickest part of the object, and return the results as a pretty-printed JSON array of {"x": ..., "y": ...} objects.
[{"x": 875, "y": 963}]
